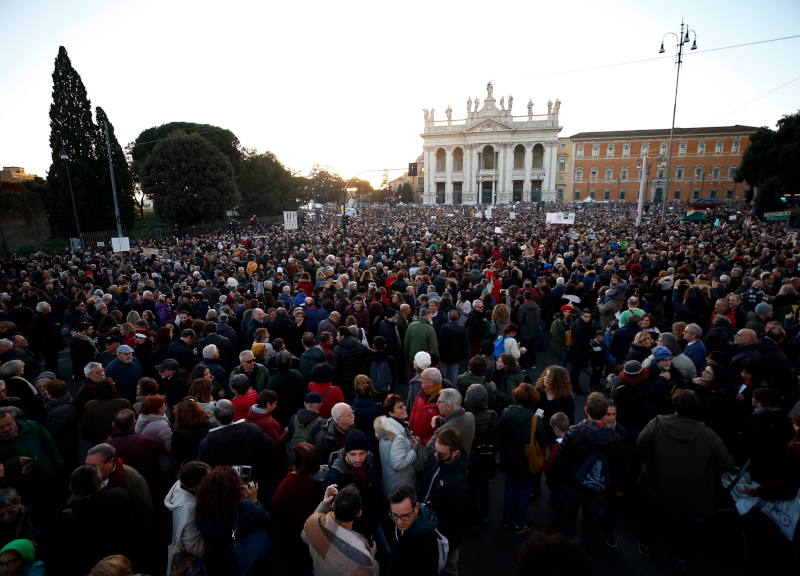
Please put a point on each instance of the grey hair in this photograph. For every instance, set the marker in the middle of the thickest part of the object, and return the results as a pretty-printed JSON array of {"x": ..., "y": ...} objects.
[
  {"x": 477, "y": 302},
  {"x": 90, "y": 366},
  {"x": 223, "y": 318},
  {"x": 12, "y": 368},
  {"x": 340, "y": 409},
  {"x": 244, "y": 354},
  {"x": 668, "y": 339},
  {"x": 210, "y": 351},
  {"x": 451, "y": 397},
  {"x": 9, "y": 497},
  {"x": 354, "y": 330},
  {"x": 434, "y": 373},
  {"x": 723, "y": 301},
  {"x": 224, "y": 412},
  {"x": 105, "y": 451},
  {"x": 42, "y": 306},
  {"x": 787, "y": 289},
  {"x": 695, "y": 330},
  {"x": 6, "y": 343}
]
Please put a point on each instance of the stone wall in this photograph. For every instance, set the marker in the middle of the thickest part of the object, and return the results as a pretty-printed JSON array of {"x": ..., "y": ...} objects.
[{"x": 23, "y": 219}]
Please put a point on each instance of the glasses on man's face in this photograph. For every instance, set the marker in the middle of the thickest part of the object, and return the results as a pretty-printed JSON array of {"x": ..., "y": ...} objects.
[
  {"x": 441, "y": 455},
  {"x": 397, "y": 517},
  {"x": 350, "y": 415},
  {"x": 247, "y": 361}
]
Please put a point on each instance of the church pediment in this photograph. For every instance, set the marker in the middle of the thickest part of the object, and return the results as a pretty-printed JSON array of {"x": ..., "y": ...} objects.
[{"x": 490, "y": 126}]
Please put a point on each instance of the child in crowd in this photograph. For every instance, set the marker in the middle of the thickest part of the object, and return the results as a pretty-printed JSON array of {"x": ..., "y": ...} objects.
[{"x": 559, "y": 422}]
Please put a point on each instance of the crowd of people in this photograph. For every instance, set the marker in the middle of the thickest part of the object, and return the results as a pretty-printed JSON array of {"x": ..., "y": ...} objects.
[{"x": 362, "y": 391}]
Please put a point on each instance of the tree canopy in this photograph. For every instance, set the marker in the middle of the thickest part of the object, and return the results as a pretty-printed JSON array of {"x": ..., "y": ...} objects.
[
  {"x": 266, "y": 186},
  {"x": 774, "y": 154},
  {"x": 189, "y": 179}
]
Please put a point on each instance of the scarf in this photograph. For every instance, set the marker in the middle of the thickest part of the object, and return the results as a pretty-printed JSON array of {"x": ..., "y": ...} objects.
[
  {"x": 345, "y": 552},
  {"x": 115, "y": 479},
  {"x": 85, "y": 338},
  {"x": 434, "y": 393}
]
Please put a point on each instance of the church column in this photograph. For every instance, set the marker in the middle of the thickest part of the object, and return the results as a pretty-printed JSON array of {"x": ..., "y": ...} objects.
[
  {"x": 548, "y": 173},
  {"x": 501, "y": 172},
  {"x": 509, "y": 172},
  {"x": 431, "y": 178},
  {"x": 448, "y": 166},
  {"x": 476, "y": 188},
  {"x": 526, "y": 190},
  {"x": 466, "y": 187},
  {"x": 553, "y": 169}
]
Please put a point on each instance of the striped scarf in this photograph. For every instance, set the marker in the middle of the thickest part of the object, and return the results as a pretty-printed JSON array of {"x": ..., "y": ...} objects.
[{"x": 345, "y": 552}]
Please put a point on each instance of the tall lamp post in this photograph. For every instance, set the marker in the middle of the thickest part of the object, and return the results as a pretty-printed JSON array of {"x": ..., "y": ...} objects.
[
  {"x": 65, "y": 158},
  {"x": 682, "y": 38}
]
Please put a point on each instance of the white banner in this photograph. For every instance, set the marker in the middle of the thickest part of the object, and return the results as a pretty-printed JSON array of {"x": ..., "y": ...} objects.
[
  {"x": 290, "y": 220},
  {"x": 560, "y": 218}
]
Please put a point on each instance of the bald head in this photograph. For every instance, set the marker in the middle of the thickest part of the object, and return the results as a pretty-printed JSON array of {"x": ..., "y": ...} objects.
[{"x": 746, "y": 337}]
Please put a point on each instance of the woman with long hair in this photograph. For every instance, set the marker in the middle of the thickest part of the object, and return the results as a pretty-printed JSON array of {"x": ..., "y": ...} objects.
[
  {"x": 555, "y": 390},
  {"x": 153, "y": 422},
  {"x": 501, "y": 316},
  {"x": 222, "y": 499},
  {"x": 204, "y": 371},
  {"x": 190, "y": 427},
  {"x": 640, "y": 347},
  {"x": 160, "y": 345},
  {"x": 297, "y": 497},
  {"x": 201, "y": 390},
  {"x": 377, "y": 312}
]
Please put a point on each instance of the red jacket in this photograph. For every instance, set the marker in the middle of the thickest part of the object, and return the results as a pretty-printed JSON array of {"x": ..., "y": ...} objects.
[
  {"x": 243, "y": 403},
  {"x": 421, "y": 415},
  {"x": 297, "y": 497},
  {"x": 306, "y": 287},
  {"x": 328, "y": 349},
  {"x": 550, "y": 458},
  {"x": 276, "y": 466},
  {"x": 330, "y": 399}
]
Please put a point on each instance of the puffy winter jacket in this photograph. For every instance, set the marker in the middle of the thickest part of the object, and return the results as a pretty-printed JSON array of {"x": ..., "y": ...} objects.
[
  {"x": 348, "y": 361},
  {"x": 579, "y": 444},
  {"x": 235, "y": 444},
  {"x": 422, "y": 412},
  {"x": 310, "y": 358},
  {"x": 157, "y": 427},
  {"x": 397, "y": 457},
  {"x": 183, "y": 504}
]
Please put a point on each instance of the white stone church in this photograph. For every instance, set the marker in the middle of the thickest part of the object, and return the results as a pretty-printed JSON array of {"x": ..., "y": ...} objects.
[{"x": 491, "y": 156}]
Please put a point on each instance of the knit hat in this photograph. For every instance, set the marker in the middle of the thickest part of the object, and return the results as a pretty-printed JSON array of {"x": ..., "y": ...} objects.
[
  {"x": 422, "y": 360},
  {"x": 45, "y": 376},
  {"x": 257, "y": 349},
  {"x": 566, "y": 307},
  {"x": 763, "y": 309},
  {"x": 661, "y": 353},
  {"x": 391, "y": 313},
  {"x": 24, "y": 547},
  {"x": 634, "y": 372},
  {"x": 313, "y": 398},
  {"x": 356, "y": 440}
]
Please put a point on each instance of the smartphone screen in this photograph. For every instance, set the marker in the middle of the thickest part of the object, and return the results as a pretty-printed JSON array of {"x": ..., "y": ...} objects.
[{"x": 245, "y": 473}]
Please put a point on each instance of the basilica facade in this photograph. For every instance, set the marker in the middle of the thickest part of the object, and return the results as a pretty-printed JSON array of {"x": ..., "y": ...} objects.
[{"x": 491, "y": 156}]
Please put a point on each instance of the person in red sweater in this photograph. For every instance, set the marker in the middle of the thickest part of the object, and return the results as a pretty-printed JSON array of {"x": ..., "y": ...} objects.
[
  {"x": 261, "y": 416},
  {"x": 322, "y": 383},
  {"x": 245, "y": 396},
  {"x": 297, "y": 497},
  {"x": 327, "y": 344},
  {"x": 426, "y": 405}
]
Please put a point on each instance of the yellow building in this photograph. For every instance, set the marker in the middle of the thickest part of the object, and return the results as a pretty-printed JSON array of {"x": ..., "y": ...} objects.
[
  {"x": 15, "y": 174},
  {"x": 563, "y": 170}
]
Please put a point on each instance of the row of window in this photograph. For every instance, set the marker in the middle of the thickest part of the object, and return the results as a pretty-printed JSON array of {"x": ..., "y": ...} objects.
[
  {"x": 719, "y": 147},
  {"x": 622, "y": 194},
  {"x": 680, "y": 173}
]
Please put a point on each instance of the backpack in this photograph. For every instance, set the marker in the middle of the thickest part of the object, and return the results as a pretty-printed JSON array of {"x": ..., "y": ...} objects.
[
  {"x": 65, "y": 331},
  {"x": 380, "y": 375},
  {"x": 594, "y": 473},
  {"x": 534, "y": 453},
  {"x": 498, "y": 346},
  {"x": 483, "y": 452},
  {"x": 303, "y": 433}
]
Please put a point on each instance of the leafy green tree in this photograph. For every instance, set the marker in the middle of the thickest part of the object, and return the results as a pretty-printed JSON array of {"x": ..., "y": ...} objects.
[
  {"x": 266, "y": 186},
  {"x": 406, "y": 193},
  {"x": 189, "y": 179},
  {"x": 774, "y": 154},
  {"x": 327, "y": 184},
  {"x": 769, "y": 196}
]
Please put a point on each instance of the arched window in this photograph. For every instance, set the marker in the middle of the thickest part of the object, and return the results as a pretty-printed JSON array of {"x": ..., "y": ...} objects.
[
  {"x": 458, "y": 160},
  {"x": 441, "y": 160},
  {"x": 538, "y": 156},
  {"x": 519, "y": 157},
  {"x": 488, "y": 157}
]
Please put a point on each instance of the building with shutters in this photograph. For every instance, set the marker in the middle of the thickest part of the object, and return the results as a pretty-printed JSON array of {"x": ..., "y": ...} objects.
[{"x": 606, "y": 165}]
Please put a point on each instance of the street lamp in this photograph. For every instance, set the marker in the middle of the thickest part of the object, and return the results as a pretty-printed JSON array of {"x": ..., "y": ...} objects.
[
  {"x": 682, "y": 38},
  {"x": 65, "y": 158}
]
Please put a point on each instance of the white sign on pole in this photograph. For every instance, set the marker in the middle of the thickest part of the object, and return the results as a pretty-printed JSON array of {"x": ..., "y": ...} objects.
[
  {"x": 121, "y": 244},
  {"x": 488, "y": 212},
  {"x": 732, "y": 217},
  {"x": 290, "y": 220},
  {"x": 512, "y": 215},
  {"x": 560, "y": 218}
]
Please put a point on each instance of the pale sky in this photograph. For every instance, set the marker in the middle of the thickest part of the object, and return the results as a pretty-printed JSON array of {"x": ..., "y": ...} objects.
[{"x": 344, "y": 83}]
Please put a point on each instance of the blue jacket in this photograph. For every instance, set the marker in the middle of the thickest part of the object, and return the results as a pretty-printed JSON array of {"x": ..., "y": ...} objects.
[
  {"x": 697, "y": 353},
  {"x": 445, "y": 489},
  {"x": 125, "y": 376},
  {"x": 218, "y": 558}
]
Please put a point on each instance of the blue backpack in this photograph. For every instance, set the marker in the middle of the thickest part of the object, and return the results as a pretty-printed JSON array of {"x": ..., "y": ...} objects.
[
  {"x": 594, "y": 473},
  {"x": 381, "y": 376},
  {"x": 498, "y": 346}
]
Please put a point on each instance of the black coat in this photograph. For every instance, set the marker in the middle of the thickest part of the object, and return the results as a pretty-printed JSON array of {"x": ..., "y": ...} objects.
[
  {"x": 638, "y": 353},
  {"x": 621, "y": 341},
  {"x": 452, "y": 343},
  {"x": 719, "y": 338},
  {"x": 763, "y": 437},
  {"x": 46, "y": 335},
  {"x": 372, "y": 502},
  {"x": 186, "y": 443},
  {"x": 240, "y": 443},
  {"x": 179, "y": 351},
  {"x": 81, "y": 353},
  {"x": 388, "y": 330},
  {"x": 582, "y": 335},
  {"x": 98, "y": 526},
  {"x": 227, "y": 355},
  {"x": 580, "y": 442},
  {"x": 348, "y": 362},
  {"x": 286, "y": 328},
  {"x": 476, "y": 326},
  {"x": 445, "y": 489}
]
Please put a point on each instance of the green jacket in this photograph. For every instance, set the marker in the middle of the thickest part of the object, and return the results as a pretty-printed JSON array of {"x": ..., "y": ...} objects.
[
  {"x": 467, "y": 379},
  {"x": 32, "y": 441},
  {"x": 506, "y": 383},
  {"x": 262, "y": 378},
  {"x": 420, "y": 337},
  {"x": 402, "y": 327},
  {"x": 515, "y": 433},
  {"x": 681, "y": 457},
  {"x": 311, "y": 358},
  {"x": 558, "y": 335}
]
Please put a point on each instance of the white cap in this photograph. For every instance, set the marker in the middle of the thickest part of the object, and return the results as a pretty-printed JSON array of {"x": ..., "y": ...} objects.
[{"x": 280, "y": 270}]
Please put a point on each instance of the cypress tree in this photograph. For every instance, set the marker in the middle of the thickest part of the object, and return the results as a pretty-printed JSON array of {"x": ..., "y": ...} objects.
[{"x": 122, "y": 173}]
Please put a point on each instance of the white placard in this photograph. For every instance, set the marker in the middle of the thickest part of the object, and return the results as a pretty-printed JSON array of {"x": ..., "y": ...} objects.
[
  {"x": 560, "y": 218},
  {"x": 121, "y": 244},
  {"x": 290, "y": 220},
  {"x": 512, "y": 215},
  {"x": 732, "y": 217},
  {"x": 488, "y": 212},
  {"x": 478, "y": 214},
  {"x": 498, "y": 230}
]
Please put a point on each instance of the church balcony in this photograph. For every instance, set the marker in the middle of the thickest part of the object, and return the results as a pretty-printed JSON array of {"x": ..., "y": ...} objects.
[{"x": 487, "y": 173}]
